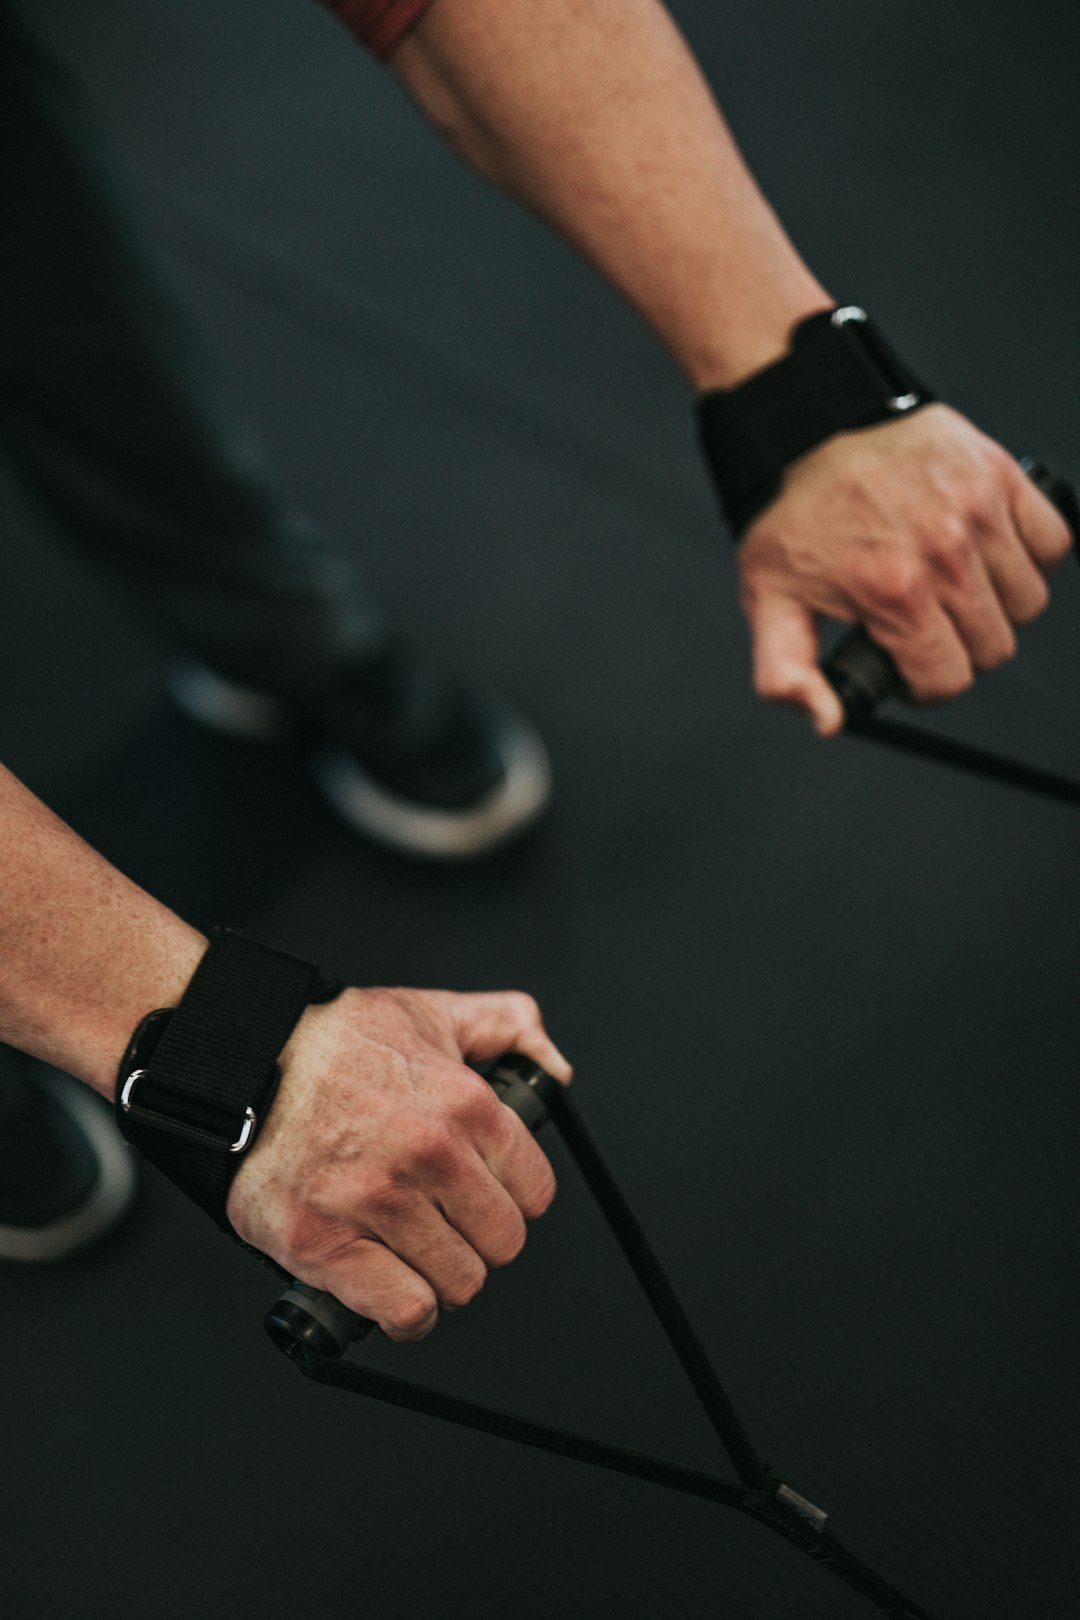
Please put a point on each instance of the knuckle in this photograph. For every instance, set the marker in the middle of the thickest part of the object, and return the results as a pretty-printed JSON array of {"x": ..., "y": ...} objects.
[
  {"x": 480, "y": 1109},
  {"x": 385, "y": 1198},
  {"x": 1036, "y": 601},
  {"x": 1061, "y": 539},
  {"x": 506, "y": 1240},
  {"x": 297, "y": 1232},
  {"x": 759, "y": 540},
  {"x": 433, "y": 1145},
  {"x": 409, "y": 1319},
  {"x": 949, "y": 549},
  {"x": 981, "y": 511},
  {"x": 1002, "y": 465},
  {"x": 526, "y": 1006},
  {"x": 457, "y": 1294},
  {"x": 538, "y": 1201},
  {"x": 1005, "y": 651},
  {"x": 895, "y": 586},
  {"x": 954, "y": 684}
]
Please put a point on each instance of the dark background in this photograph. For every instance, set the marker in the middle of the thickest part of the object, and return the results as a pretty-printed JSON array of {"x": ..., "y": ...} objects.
[{"x": 822, "y": 1000}]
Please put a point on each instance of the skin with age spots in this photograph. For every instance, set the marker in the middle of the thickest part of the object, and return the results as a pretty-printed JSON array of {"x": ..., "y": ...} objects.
[
  {"x": 386, "y": 1172},
  {"x": 594, "y": 114}
]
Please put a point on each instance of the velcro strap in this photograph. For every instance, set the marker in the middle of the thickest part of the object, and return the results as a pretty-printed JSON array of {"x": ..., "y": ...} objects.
[
  {"x": 197, "y": 1081},
  {"x": 840, "y": 374}
]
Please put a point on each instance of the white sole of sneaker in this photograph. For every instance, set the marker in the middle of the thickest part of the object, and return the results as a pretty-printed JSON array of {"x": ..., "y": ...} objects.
[
  {"x": 213, "y": 701},
  {"x": 363, "y": 804},
  {"x": 112, "y": 1194},
  {"x": 442, "y": 835}
]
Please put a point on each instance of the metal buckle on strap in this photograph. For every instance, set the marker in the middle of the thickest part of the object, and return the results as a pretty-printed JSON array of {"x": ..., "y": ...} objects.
[
  {"x": 806, "y": 1510},
  {"x": 181, "y": 1127},
  {"x": 855, "y": 320}
]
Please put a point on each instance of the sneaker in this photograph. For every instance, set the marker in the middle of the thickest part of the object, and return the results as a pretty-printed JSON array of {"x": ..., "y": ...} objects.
[
  {"x": 66, "y": 1174},
  {"x": 405, "y": 754}
]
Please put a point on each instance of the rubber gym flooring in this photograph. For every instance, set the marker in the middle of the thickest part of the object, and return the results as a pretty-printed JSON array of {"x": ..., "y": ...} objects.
[{"x": 822, "y": 999}]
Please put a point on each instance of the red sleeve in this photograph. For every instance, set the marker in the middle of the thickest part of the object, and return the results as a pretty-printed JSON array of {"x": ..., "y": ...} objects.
[{"x": 379, "y": 24}]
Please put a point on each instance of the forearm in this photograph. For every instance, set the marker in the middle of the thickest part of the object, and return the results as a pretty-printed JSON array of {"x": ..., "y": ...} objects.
[
  {"x": 595, "y": 115},
  {"x": 84, "y": 952}
]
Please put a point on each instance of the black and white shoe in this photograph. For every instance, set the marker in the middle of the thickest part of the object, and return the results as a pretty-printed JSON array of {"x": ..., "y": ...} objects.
[
  {"x": 66, "y": 1174},
  {"x": 405, "y": 754}
]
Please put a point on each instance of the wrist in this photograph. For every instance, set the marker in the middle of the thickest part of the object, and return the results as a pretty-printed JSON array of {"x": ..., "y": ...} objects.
[
  {"x": 153, "y": 975},
  {"x": 86, "y": 1034},
  {"x": 198, "y": 1079},
  {"x": 750, "y": 336},
  {"x": 838, "y": 374}
]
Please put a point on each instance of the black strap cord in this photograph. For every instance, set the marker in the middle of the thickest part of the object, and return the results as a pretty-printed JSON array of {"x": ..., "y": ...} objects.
[
  {"x": 756, "y": 1504},
  {"x": 660, "y": 1294},
  {"x": 864, "y": 675},
  {"x": 965, "y": 757},
  {"x": 761, "y": 1496}
]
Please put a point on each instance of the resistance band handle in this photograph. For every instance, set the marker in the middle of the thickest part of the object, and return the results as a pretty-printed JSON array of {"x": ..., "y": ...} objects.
[
  {"x": 863, "y": 674},
  {"x": 306, "y": 1319}
]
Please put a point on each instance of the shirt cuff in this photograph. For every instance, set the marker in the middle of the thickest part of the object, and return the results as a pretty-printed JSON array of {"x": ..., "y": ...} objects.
[{"x": 379, "y": 24}]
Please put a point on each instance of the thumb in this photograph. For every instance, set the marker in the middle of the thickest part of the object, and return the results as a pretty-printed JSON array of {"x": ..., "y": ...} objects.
[
  {"x": 785, "y": 653},
  {"x": 488, "y": 1023}
]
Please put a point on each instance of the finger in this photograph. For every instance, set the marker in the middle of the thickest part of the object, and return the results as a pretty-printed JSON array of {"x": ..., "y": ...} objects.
[
  {"x": 375, "y": 1283},
  {"x": 1017, "y": 579},
  {"x": 506, "y": 1148},
  {"x": 785, "y": 659},
  {"x": 1041, "y": 526},
  {"x": 488, "y": 1024},
  {"x": 928, "y": 652},
  {"x": 485, "y": 1211},
  {"x": 421, "y": 1236},
  {"x": 967, "y": 594},
  {"x": 475, "y": 1163}
]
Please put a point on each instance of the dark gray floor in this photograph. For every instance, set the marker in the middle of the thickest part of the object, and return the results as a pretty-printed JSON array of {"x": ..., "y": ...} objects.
[{"x": 822, "y": 1000}]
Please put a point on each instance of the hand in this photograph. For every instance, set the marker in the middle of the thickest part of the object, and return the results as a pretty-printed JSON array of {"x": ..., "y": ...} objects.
[
  {"x": 923, "y": 530},
  {"x": 387, "y": 1172}
]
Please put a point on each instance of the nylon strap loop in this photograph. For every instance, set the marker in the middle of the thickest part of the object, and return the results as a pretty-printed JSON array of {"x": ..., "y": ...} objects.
[
  {"x": 840, "y": 374},
  {"x": 965, "y": 757},
  {"x": 197, "y": 1081}
]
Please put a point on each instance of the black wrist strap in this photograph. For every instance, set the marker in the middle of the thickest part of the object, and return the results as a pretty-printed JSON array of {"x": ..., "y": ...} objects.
[
  {"x": 840, "y": 374},
  {"x": 197, "y": 1081}
]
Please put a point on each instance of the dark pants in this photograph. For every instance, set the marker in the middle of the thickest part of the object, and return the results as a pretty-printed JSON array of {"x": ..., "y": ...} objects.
[
  {"x": 108, "y": 418},
  {"x": 109, "y": 421}
]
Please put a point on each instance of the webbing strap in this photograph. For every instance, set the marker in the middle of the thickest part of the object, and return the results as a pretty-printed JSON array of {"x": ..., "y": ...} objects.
[
  {"x": 839, "y": 374},
  {"x": 197, "y": 1081},
  {"x": 757, "y": 1497},
  {"x": 241, "y": 1006}
]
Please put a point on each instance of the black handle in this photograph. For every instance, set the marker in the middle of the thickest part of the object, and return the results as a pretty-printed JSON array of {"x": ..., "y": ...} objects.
[
  {"x": 863, "y": 674},
  {"x": 305, "y": 1318}
]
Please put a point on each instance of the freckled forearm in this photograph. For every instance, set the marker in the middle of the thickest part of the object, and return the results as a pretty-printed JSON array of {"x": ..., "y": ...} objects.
[
  {"x": 84, "y": 952},
  {"x": 594, "y": 114}
]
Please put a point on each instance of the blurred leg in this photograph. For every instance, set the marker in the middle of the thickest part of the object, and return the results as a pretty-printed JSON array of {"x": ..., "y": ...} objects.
[
  {"x": 107, "y": 415},
  {"x": 66, "y": 1174}
]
